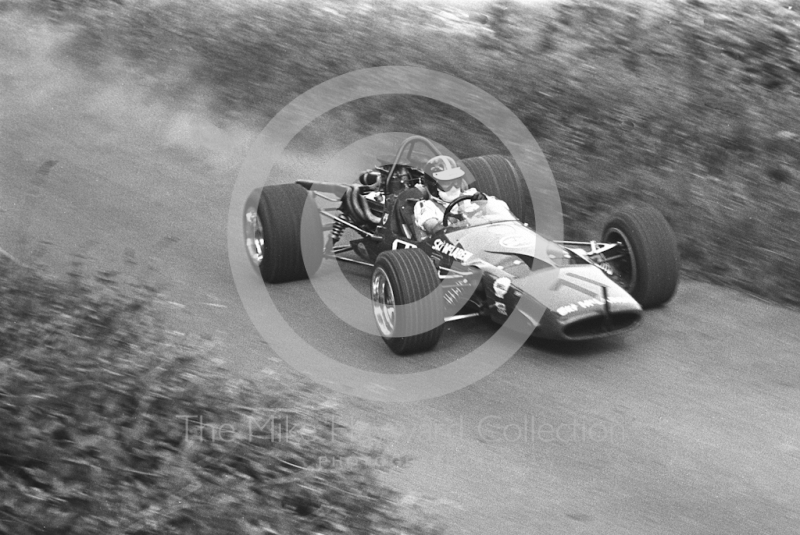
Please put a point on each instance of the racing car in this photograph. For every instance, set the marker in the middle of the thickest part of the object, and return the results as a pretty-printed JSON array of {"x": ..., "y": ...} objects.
[{"x": 488, "y": 262}]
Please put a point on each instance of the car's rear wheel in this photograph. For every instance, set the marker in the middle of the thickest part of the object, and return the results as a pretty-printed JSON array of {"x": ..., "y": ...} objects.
[
  {"x": 646, "y": 264},
  {"x": 499, "y": 177},
  {"x": 283, "y": 240},
  {"x": 407, "y": 301}
]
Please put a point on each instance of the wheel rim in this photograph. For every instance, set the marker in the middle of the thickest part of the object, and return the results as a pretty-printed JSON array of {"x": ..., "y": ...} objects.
[
  {"x": 625, "y": 267},
  {"x": 254, "y": 237},
  {"x": 383, "y": 303}
]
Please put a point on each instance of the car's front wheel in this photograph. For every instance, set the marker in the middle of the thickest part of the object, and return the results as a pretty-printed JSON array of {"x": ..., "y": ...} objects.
[
  {"x": 646, "y": 263},
  {"x": 407, "y": 301},
  {"x": 283, "y": 239}
]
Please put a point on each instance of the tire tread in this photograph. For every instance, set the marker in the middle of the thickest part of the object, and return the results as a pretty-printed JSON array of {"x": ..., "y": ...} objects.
[
  {"x": 414, "y": 277},
  {"x": 281, "y": 210},
  {"x": 656, "y": 251}
]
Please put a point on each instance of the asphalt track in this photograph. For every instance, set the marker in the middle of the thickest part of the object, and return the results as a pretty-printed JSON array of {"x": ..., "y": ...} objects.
[{"x": 688, "y": 425}]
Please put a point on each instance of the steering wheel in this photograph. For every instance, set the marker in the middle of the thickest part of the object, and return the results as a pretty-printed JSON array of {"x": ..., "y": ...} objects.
[{"x": 474, "y": 197}]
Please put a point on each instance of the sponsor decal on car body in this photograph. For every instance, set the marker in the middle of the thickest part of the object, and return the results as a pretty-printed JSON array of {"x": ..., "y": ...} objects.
[
  {"x": 593, "y": 302},
  {"x": 517, "y": 241},
  {"x": 452, "y": 250}
]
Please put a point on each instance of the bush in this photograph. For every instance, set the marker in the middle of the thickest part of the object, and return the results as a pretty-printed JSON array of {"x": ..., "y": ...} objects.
[{"x": 111, "y": 425}]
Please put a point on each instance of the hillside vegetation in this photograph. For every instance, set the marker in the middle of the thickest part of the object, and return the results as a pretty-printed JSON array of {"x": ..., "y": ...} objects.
[
  {"x": 112, "y": 425},
  {"x": 692, "y": 106}
]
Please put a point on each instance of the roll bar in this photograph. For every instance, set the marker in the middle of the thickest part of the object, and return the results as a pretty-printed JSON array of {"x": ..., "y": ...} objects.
[{"x": 410, "y": 142}]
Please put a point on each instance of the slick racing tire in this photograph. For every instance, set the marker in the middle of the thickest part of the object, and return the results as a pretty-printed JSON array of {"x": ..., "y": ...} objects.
[
  {"x": 499, "y": 177},
  {"x": 407, "y": 301},
  {"x": 649, "y": 265},
  {"x": 283, "y": 240}
]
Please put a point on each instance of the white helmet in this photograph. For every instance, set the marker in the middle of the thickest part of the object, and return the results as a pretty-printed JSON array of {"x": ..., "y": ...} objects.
[{"x": 442, "y": 174}]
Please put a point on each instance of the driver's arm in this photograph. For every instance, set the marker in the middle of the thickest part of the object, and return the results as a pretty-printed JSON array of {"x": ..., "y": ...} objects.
[
  {"x": 427, "y": 216},
  {"x": 493, "y": 204}
]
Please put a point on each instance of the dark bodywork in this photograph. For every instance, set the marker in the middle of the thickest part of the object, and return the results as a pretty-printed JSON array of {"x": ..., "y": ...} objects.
[{"x": 489, "y": 266}]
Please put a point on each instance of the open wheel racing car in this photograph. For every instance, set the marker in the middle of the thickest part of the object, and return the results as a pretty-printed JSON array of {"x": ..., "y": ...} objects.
[{"x": 486, "y": 263}]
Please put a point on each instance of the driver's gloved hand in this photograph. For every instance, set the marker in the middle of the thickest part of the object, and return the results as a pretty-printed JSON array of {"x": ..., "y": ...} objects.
[
  {"x": 468, "y": 207},
  {"x": 479, "y": 197}
]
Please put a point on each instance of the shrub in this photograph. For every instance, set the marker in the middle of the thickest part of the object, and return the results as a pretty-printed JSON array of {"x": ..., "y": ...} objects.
[{"x": 111, "y": 425}]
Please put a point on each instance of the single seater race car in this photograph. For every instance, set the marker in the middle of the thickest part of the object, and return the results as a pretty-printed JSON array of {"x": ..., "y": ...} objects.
[{"x": 487, "y": 262}]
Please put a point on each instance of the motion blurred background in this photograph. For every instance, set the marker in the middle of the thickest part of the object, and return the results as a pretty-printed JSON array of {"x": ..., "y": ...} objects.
[
  {"x": 689, "y": 105},
  {"x": 122, "y": 127}
]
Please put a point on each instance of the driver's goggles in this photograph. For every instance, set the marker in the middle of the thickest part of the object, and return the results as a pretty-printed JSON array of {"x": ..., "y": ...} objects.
[{"x": 446, "y": 185}]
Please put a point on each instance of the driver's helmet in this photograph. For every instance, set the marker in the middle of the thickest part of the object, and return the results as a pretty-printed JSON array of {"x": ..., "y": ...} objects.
[{"x": 443, "y": 177}]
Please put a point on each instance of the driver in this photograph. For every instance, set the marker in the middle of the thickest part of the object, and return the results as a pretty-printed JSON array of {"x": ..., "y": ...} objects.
[{"x": 445, "y": 182}]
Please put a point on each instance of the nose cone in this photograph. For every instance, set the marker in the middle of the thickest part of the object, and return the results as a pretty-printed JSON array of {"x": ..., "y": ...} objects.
[
  {"x": 558, "y": 297},
  {"x": 581, "y": 303}
]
